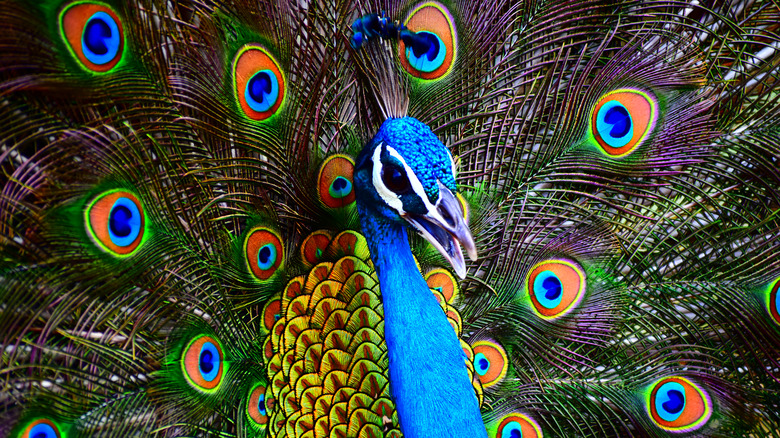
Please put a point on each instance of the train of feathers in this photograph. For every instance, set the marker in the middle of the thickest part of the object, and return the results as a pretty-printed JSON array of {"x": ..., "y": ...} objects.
[{"x": 383, "y": 218}]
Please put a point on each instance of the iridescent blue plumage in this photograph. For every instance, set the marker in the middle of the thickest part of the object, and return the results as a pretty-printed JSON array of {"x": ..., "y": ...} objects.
[
  {"x": 428, "y": 376},
  {"x": 101, "y": 39}
]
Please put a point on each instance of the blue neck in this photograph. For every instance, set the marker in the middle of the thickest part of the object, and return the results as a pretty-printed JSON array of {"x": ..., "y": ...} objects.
[{"x": 428, "y": 377}]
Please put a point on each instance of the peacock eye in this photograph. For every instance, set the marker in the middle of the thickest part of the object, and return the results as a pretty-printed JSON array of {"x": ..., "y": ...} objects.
[
  {"x": 335, "y": 181},
  {"x": 259, "y": 84},
  {"x": 517, "y": 425},
  {"x": 202, "y": 363},
  {"x": 427, "y": 60},
  {"x": 94, "y": 35},
  {"x": 395, "y": 179},
  {"x": 271, "y": 314},
  {"x": 314, "y": 246},
  {"x": 490, "y": 362},
  {"x": 678, "y": 405},
  {"x": 41, "y": 428},
  {"x": 441, "y": 280},
  {"x": 115, "y": 221},
  {"x": 258, "y": 405},
  {"x": 433, "y": 52},
  {"x": 621, "y": 120},
  {"x": 262, "y": 90},
  {"x": 264, "y": 252},
  {"x": 555, "y": 287}
]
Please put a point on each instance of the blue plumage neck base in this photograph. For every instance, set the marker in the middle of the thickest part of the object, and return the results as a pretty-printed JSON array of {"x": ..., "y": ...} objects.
[{"x": 428, "y": 377}]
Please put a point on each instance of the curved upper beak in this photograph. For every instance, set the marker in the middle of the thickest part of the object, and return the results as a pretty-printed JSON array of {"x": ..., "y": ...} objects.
[{"x": 446, "y": 229}]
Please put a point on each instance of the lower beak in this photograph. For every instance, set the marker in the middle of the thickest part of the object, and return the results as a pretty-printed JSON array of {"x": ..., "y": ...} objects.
[{"x": 446, "y": 229}]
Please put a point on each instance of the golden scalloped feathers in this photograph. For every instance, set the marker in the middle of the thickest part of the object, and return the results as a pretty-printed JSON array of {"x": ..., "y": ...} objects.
[{"x": 327, "y": 360}]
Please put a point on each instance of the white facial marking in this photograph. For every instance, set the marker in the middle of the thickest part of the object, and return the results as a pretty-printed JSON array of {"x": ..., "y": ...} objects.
[
  {"x": 387, "y": 195},
  {"x": 390, "y": 197},
  {"x": 413, "y": 180}
]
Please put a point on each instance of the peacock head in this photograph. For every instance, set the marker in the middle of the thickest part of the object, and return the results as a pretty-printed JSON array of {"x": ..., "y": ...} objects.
[{"x": 406, "y": 175}]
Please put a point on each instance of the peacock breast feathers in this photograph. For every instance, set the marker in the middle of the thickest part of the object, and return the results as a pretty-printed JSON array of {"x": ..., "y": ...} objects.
[{"x": 324, "y": 343}]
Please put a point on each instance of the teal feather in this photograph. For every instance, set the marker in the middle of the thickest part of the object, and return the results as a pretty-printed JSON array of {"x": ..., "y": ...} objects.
[{"x": 618, "y": 161}]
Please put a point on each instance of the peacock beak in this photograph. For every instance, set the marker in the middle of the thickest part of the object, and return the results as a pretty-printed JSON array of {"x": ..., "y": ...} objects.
[{"x": 445, "y": 228}]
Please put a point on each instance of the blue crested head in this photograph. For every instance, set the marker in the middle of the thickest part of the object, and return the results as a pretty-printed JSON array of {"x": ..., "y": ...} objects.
[
  {"x": 408, "y": 152},
  {"x": 425, "y": 154},
  {"x": 405, "y": 174}
]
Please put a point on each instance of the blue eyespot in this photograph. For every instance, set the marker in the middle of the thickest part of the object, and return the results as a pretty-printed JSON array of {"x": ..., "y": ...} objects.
[
  {"x": 516, "y": 425},
  {"x": 257, "y": 407},
  {"x": 42, "y": 430},
  {"x": 490, "y": 362},
  {"x": 94, "y": 35},
  {"x": 548, "y": 289},
  {"x": 208, "y": 361},
  {"x": 676, "y": 404},
  {"x": 262, "y": 91},
  {"x": 261, "y": 405},
  {"x": 266, "y": 256},
  {"x": 429, "y": 47},
  {"x": 622, "y": 120},
  {"x": 430, "y": 60},
  {"x": 670, "y": 401},
  {"x": 258, "y": 82},
  {"x": 263, "y": 252},
  {"x": 556, "y": 287},
  {"x": 512, "y": 430},
  {"x": 124, "y": 222},
  {"x": 481, "y": 364},
  {"x": 340, "y": 188},
  {"x": 334, "y": 183},
  {"x": 202, "y": 363},
  {"x": 614, "y": 124},
  {"x": 115, "y": 221},
  {"x": 100, "y": 41}
]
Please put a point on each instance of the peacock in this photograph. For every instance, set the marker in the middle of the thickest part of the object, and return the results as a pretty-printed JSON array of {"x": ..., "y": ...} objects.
[{"x": 387, "y": 218}]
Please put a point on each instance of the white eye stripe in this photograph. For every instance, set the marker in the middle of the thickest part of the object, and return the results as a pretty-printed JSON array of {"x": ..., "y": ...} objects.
[
  {"x": 433, "y": 212},
  {"x": 390, "y": 197},
  {"x": 413, "y": 180},
  {"x": 452, "y": 160},
  {"x": 392, "y": 200}
]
